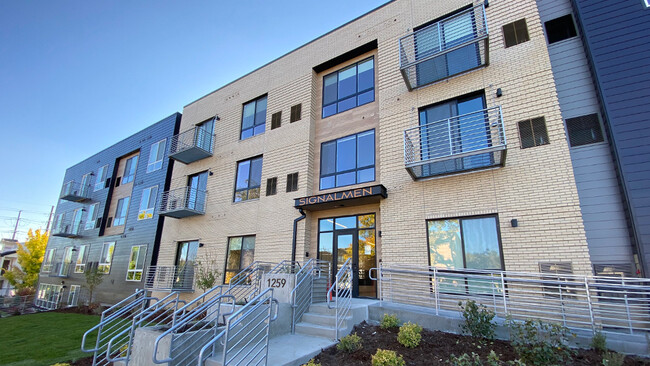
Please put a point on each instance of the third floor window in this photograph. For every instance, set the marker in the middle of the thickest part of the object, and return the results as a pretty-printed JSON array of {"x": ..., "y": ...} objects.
[
  {"x": 129, "y": 169},
  {"x": 253, "y": 118},
  {"x": 249, "y": 179},
  {"x": 348, "y": 88},
  {"x": 348, "y": 160}
]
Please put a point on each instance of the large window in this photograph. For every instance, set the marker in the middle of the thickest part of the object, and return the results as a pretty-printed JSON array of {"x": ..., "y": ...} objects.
[
  {"x": 240, "y": 254},
  {"x": 129, "y": 169},
  {"x": 253, "y": 118},
  {"x": 102, "y": 176},
  {"x": 64, "y": 271},
  {"x": 91, "y": 216},
  {"x": 106, "y": 258},
  {"x": 76, "y": 221},
  {"x": 147, "y": 203},
  {"x": 121, "y": 211},
  {"x": 80, "y": 264},
  {"x": 185, "y": 260},
  {"x": 348, "y": 88},
  {"x": 249, "y": 179},
  {"x": 73, "y": 296},
  {"x": 156, "y": 154},
  {"x": 348, "y": 160},
  {"x": 47, "y": 260},
  {"x": 136, "y": 263}
]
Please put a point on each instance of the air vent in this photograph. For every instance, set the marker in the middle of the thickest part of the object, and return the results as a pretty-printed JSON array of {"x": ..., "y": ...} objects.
[
  {"x": 98, "y": 222},
  {"x": 614, "y": 270},
  {"x": 107, "y": 183},
  {"x": 109, "y": 222}
]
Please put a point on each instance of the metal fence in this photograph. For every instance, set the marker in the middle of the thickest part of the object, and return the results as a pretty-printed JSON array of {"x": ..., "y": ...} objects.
[
  {"x": 608, "y": 304},
  {"x": 187, "y": 199},
  {"x": 169, "y": 278},
  {"x": 196, "y": 137},
  {"x": 341, "y": 291}
]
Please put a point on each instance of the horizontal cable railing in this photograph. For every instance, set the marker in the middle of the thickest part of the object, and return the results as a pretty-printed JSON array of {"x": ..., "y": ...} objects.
[
  {"x": 75, "y": 191},
  {"x": 184, "y": 198},
  {"x": 195, "y": 137},
  {"x": 67, "y": 226},
  {"x": 610, "y": 304},
  {"x": 466, "y": 141},
  {"x": 448, "y": 47},
  {"x": 341, "y": 291},
  {"x": 169, "y": 278},
  {"x": 302, "y": 293}
]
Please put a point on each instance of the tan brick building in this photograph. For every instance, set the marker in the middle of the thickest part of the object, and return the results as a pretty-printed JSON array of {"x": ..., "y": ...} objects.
[{"x": 487, "y": 183}]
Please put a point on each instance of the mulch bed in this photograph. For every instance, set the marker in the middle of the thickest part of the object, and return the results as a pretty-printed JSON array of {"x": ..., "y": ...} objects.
[
  {"x": 88, "y": 361},
  {"x": 435, "y": 349},
  {"x": 83, "y": 309}
]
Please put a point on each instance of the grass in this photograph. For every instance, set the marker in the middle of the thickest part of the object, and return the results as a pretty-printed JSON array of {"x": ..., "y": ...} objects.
[{"x": 43, "y": 338}]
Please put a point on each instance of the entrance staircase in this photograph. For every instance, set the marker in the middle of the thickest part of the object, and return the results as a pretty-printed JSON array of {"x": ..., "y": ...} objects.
[{"x": 320, "y": 321}]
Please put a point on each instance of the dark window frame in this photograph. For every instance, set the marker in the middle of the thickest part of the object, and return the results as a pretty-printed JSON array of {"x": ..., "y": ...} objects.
[
  {"x": 249, "y": 187},
  {"x": 560, "y": 24},
  {"x": 133, "y": 164},
  {"x": 356, "y": 169},
  {"x": 508, "y": 42},
  {"x": 263, "y": 123},
  {"x": 570, "y": 131},
  {"x": 356, "y": 94},
  {"x": 272, "y": 186},
  {"x": 225, "y": 266},
  {"x": 542, "y": 134}
]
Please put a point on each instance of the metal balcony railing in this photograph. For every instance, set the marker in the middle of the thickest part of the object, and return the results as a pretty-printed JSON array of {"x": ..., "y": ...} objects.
[
  {"x": 183, "y": 202},
  {"x": 68, "y": 227},
  {"x": 170, "y": 278},
  {"x": 75, "y": 191},
  {"x": 473, "y": 141},
  {"x": 610, "y": 304},
  {"x": 451, "y": 46},
  {"x": 191, "y": 145}
]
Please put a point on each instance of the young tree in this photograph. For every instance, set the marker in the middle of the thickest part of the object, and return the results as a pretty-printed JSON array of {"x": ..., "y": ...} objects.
[
  {"x": 206, "y": 274},
  {"x": 30, "y": 257},
  {"x": 94, "y": 278}
]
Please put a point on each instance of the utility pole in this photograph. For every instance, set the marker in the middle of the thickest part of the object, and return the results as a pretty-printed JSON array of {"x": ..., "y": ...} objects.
[
  {"x": 49, "y": 220},
  {"x": 16, "y": 228}
]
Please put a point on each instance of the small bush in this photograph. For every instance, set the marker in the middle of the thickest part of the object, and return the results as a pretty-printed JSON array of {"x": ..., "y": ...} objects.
[
  {"x": 475, "y": 360},
  {"x": 389, "y": 321},
  {"x": 599, "y": 342},
  {"x": 409, "y": 335},
  {"x": 540, "y": 343},
  {"x": 350, "y": 343},
  {"x": 613, "y": 359},
  {"x": 385, "y": 357},
  {"x": 312, "y": 363},
  {"x": 478, "y": 320}
]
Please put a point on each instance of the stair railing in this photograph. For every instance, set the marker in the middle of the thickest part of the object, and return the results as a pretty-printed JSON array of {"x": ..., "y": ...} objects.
[
  {"x": 302, "y": 293},
  {"x": 341, "y": 290}
]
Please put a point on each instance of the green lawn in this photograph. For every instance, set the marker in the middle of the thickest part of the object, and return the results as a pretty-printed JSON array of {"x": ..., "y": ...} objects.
[{"x": 43, "y": 339}]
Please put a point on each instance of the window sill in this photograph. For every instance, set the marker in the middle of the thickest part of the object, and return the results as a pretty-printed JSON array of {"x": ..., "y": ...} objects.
[{"x": 245, "y": 201}]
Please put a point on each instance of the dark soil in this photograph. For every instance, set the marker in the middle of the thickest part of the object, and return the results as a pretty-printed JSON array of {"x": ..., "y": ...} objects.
[
  {"x": 83, "y": 309},
  {"x": 88, "y": 361},
  {"x": 436, "y": 348}
]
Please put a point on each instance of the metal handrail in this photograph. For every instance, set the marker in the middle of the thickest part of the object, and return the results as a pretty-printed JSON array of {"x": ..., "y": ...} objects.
[
  {"x": 300, "y": 301},
  {"x": 195, "y": 137},
  {"x": 184, "y": 198},
  {"x": 343, "y": 286},
  {"x": 244, "y": 314},
  {"x": 612, "y": 304},
  {"x": 286, "y": 266},
  {"x": 169, "y": 278}
]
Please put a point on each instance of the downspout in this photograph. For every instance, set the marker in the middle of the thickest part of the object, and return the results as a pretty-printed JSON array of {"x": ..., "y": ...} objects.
[{"x": 295, "y": 229}]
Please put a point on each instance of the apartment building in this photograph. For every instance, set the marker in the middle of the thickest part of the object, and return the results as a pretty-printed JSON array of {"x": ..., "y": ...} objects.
[
  {"x": 421, "y": 133},
  {"x": 106, "y": 219}
]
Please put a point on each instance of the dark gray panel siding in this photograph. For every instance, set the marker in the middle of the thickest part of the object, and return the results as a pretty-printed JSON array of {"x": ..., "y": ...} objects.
[
  {"x": 137, "y": 232},
  {"x": 616, "y": 33}
]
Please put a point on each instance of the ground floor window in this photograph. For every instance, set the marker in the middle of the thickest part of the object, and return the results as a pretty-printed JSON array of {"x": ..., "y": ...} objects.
[
  {"x": 240, "y": 254},
  {"x": 136, "y": 263},
  {"x": 48, "y": 296},
  {"x": 185, "y": 260},
  {"x": 73, "y": 296}
]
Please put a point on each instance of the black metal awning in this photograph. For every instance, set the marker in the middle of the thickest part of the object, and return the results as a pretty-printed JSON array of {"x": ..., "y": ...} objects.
[{"x": 348, "y": 197}]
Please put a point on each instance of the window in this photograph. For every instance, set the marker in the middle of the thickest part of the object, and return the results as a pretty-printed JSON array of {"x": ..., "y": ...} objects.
[
  {"x": 646, "y": 3},
  {"x": 276, "y": 120},
  {"x": 48, "y": 258},
  {"x": 465, "y": 243},
  {"x": 249, "y": 179},
  {"x": 156, "y": 154},
  {"x": 292, "y": 182},
  {"x": 348, "y": 160},
  {"x": 80, "y": 264},
  {"x": 136, "y": 263},
  {"x": 515, "y": 33},
  {"x": 129, "y": 169},
  {"x": 584, "y": 130},
  {"x": 253, "y": 118},
  {"x": 106, "y": 258},
  {"x": 58, "y": 226},
  {"x": 559, "y": 29},
  {"x": 102, "y": 176},
  {"x": 271, "y": 186},
  {"x": 554, "y": 288},
  {"x": 196, "y": 187},
  {"x": 533, "y": 132},
  {"x": 204, "y": 134},
  {"x": 76, "y": 221},
  {"x": 48, "y": 296},
  {"x": 240, "y": 254},
  {"x": 296, "y": 113},
  {"x": 65, "y": 262},
  {"x": 73, "y": 296},
  {"x": 120, "y": 211},
  {"x": 91, "y": 216},
  {"x": 147, "y": 203},
  {"x": 348, "y": 88},
  {"x": 85, "y": 185}
]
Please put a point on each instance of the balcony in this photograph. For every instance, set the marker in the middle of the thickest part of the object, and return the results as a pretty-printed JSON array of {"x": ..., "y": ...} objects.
[
  {"x": 191, "y": 145},
  {"x": 469, "y": 142},
  {"x": 75, "y": 192},
  {"x": 170, "y": 278},
  {"x": 67, "y": 228},
  {"x": 183, "y": 202},
  {"x": 451, "y": 46}
]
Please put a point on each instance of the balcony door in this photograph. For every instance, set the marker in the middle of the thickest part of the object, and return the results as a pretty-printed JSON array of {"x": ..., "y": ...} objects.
[
  {"x": 185, "y": 259},
  {"x": 196, "y": 187},
  {"x": 204, "y": 134}
]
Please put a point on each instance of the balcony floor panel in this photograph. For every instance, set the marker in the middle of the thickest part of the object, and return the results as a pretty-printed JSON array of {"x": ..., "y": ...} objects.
[
  {"x": 73, "y": 198},
  {"x": 457, "y": 165},
  {"x": 181, "y": 213},
  {"x": 190, "y": 155}
]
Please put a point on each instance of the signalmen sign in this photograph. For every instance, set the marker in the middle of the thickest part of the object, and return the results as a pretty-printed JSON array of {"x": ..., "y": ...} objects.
[{"x": 361, "y": 194}]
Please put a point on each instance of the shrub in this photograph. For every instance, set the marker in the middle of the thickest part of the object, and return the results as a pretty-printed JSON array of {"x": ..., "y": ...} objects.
[
  {"x": 389, "y": 321},
  {"x": 409, "y": 335},
  {"x": 599, "y": 342},
  {"x": 311, "y": 363},
  {"x": 613, "y": 359},
  {"x": 475, "y": 360},
  {"x": 385, "y": 357},
  {"x": 350, "y": 343},
  {"x": 478, "y": 320},
  {"x": 540, "y": 343}
]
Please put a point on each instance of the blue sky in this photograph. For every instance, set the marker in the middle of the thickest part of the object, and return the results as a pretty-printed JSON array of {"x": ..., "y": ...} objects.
[{"x": 78, "y": 76}]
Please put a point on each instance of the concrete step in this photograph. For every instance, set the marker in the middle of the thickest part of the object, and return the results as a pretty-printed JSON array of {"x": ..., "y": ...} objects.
[
  {"x": 321, "y": 308},
  {"x": 316, "y": 330},
  {"x": 321, "y": 319}
]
